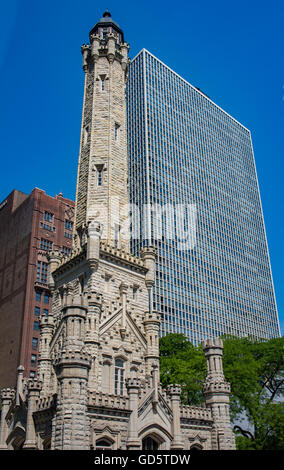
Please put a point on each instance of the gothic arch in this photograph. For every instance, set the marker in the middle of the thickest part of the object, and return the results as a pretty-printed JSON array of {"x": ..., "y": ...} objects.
[
  {"x": 121, "y": 355},
  {"x": 158, "y": 434},
  {"x": 196, "y": 446},
  {"x": 104, "y": 442}
]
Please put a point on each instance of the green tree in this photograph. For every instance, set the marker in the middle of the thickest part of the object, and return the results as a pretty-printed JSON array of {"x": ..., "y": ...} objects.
[
  {"x": 184, "y": 364},
  {"x": 255, "y": 370}
]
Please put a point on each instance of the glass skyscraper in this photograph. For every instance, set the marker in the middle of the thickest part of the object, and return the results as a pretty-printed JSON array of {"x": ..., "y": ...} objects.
[{"x": 187, "y": 156}]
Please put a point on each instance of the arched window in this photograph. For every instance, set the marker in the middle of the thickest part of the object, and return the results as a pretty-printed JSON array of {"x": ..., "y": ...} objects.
[
  {"x": 103, "y": 444},
  {"x": 118, "y": 377},
  {"x": 148, "y": 443},
  {"x": 196, "y": 447}
]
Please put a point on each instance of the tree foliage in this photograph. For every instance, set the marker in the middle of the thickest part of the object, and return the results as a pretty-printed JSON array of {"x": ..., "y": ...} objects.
[
  {"x": 255, "y": 370},
  {"x": 184, "y": 364}
]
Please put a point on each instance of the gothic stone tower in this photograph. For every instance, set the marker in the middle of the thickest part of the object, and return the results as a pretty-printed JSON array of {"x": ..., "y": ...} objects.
[
  {"x": 102, "y": 170},
  {"x": 98, "y": 373}
]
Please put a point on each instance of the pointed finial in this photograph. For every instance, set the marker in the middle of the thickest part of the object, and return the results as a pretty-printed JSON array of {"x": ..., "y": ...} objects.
[{"x": 106, "y": 13}]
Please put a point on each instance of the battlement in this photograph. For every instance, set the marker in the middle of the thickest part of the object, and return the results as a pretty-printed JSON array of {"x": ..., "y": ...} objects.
[
  {"x": 153, "y": 316},
  {"x": 99, "y": 399},
  {"x": 196, "y": 413},
  {"x": 174, "y": 390},
  {"x": 108, "y": 249},
  {"x": 7, "y": 394},
  {"x": 34, "y": 385},
  {"x": 216, "y": 387},
  {"x": 72, "y": 357},
  {"x": 133, "y": 383},
  {"x": 212, "y": 344},
  {"x": 46, "y": 321},
  {"x": 46, "y": 402}
]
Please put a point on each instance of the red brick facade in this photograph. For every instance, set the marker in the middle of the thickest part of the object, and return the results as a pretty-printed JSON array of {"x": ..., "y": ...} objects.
[{"x": 29, "y": 226}]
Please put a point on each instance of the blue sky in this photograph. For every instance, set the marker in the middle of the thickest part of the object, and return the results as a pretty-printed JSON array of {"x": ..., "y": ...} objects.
[{"x": 232, "y": 51}]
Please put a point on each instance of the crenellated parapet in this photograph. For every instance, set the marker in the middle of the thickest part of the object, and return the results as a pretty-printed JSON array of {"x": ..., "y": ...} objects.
[
  {"x": 133, "y": 383},
  {"x": 122, "y": 256},
  {"x": 65, "y": 363},
  {"x": 106, "y": 400},
  {"x": 7, "y": 395},
  {"x": 196, "y": 413},
  {"x": 174, "y": 391},
  {"x": 216, "y": 388}
]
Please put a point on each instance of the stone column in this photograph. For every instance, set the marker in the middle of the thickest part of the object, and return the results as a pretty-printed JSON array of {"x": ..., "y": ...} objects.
[
  {"x": 133, "y": 442},
  {"x": 110, "y": 47},
  {"x": 175, "y": 392},
  {"x": 34, "y": 388},
  {"x": 44, "y": 359},
  {"x": 95, "y": 46},
  {"x": 93, "y": 243},
  {"x": 19, "y": 390},
  {"x": 152, "y": 328},
  {"x": 92, "y": 334},
  {"x": 148, "y": 255},
  {"x": 123, "y": 295},
  {"x": 85, "y": 49},
  {"x": 217, "y": 395},
  {"x": 71, "y": 427},
  {"x": 54, "y": 260},
  {"x": 7, "y": 396}
]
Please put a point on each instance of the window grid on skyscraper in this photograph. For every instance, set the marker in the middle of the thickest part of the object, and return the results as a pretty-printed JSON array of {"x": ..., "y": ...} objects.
[{"x": 184, "y": 149}]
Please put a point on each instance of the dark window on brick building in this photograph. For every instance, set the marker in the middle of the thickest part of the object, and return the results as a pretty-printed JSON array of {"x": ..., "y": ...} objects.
[
  {"x": 33, "y": 360},
  {"x": 45, "y": 244},
  {"x": 41, "y": 274},
  {"x": 48, "y": 216}
]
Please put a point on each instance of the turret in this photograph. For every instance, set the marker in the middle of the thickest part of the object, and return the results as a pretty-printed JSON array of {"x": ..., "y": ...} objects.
[
  {"x": 46, "y": 326},
  {"x": 34, "y": 389},
  {"x": 217, "y": 394}
]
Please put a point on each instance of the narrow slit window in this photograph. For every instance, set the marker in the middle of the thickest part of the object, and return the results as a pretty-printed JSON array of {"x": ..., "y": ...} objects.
[
  {"x": 100, "y": 177},
  {"x": 116, "y": 234},
  {"x": 116, "y": 131},
  {"x": 86, "y": 134}
]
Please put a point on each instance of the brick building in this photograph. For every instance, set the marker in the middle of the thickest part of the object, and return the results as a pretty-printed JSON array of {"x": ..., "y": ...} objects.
[{"x": 30, "y": 225}]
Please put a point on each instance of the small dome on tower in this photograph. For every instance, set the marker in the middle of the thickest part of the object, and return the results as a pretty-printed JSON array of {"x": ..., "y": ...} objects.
[
  {"x": 106, "y": 13},
  {"x": 107, "y": 22}
]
